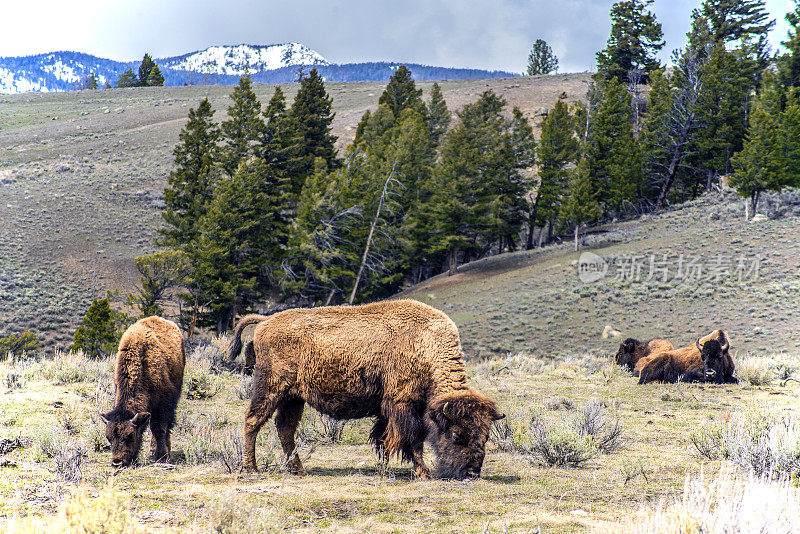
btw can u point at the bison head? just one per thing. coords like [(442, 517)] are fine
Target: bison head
[(713, 355), (459, 425), (626, 352), (124, 432)]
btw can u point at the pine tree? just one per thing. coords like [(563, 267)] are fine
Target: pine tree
[(23, 344), (613, 158), (145, 68), (159, 272), (763, 165), (128, 79), (636, 38), (541, 60), (241, 243), (401, 93), (580, 203), (99, 330), (789, 63), (155, 78), (244, 126), (557, 150), (280, 144), (312, 117), (191, 185), (438, 115)]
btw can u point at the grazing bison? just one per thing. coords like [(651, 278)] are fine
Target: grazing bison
[(148, 378), (632, 350), (694, 363), (397, 361)]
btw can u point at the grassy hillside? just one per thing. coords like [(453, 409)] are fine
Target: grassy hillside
[(82, 175), (535, 301)]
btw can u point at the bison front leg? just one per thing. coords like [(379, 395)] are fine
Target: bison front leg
[(286, 421), (421, 470), (159, 445), (405, 434)]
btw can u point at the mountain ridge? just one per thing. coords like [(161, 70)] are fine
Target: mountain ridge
[(214, 65)]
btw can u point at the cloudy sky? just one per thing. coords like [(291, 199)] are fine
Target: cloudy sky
[(491, 34)]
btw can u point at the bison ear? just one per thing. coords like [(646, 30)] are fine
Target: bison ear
[(141, 419)]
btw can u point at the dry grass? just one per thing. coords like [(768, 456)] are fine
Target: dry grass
[(346, 489), (722, 504)]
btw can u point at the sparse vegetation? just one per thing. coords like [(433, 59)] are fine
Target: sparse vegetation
[(767, 445)]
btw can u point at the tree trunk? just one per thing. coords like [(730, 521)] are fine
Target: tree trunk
[(531, 224), (452, 266), (754, 201), (577, 233), (330, 297), (542, 234)]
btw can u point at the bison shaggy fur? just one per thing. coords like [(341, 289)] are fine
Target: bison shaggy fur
[(148, 378), (632, 350), (397, 361), (699, 362)]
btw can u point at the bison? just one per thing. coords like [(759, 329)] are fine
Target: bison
[(397, 361), (632, 350), (148, 378), (700, 362)]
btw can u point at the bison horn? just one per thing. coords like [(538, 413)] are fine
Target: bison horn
[(446, 410), (497, 416), (697, 343), (726, 345)]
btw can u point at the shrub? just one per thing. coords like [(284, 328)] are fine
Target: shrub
[(756, 371), (767, 445), (592, 423), (17, 345), (230, 516), (244, 390), (48, 445), (722, 505), (567, 440), (13, 381), (69, 463), (319, 428), (202, 385), (230, 450), (559, 403)]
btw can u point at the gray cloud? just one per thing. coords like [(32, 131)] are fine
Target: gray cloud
[(493, 34)]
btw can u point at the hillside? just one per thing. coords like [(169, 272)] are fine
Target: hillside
[(82, 175)]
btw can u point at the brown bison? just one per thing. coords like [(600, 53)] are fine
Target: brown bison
[(632, 350), (700, 362), (397, 361), (148, 378)]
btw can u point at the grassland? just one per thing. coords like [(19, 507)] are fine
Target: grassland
[(58, 401)]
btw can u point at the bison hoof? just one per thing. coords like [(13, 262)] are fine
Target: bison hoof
[(247, 468), (422, 474)]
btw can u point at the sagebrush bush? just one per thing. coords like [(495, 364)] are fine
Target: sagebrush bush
[(564, 439), (319, 428), (229, 515), (756, 371), (767, 445), (69, 463), (202, 385), (722, 505), (73, 367), (47, 445)]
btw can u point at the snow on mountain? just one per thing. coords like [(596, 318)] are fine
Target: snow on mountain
[(236, 60), (17, 82)]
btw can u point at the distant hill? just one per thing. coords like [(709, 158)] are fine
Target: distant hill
[(216, 65)]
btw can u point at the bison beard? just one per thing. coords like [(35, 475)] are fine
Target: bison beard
[(148, 377), (397, 361)]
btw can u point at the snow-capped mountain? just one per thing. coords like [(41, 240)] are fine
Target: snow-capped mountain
[(236, 60), (223, 65)]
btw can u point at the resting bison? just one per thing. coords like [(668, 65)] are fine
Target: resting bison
[(148, 378), (632, 350), (700, 362), (397, 361)]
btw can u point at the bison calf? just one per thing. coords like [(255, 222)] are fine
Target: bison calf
[(702, 362), (397, 361), (148, 378), (632, 350)]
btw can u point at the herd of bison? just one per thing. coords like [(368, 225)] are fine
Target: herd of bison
[(397, 361)]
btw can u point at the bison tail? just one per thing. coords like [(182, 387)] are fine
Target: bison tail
[(235, 345)]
